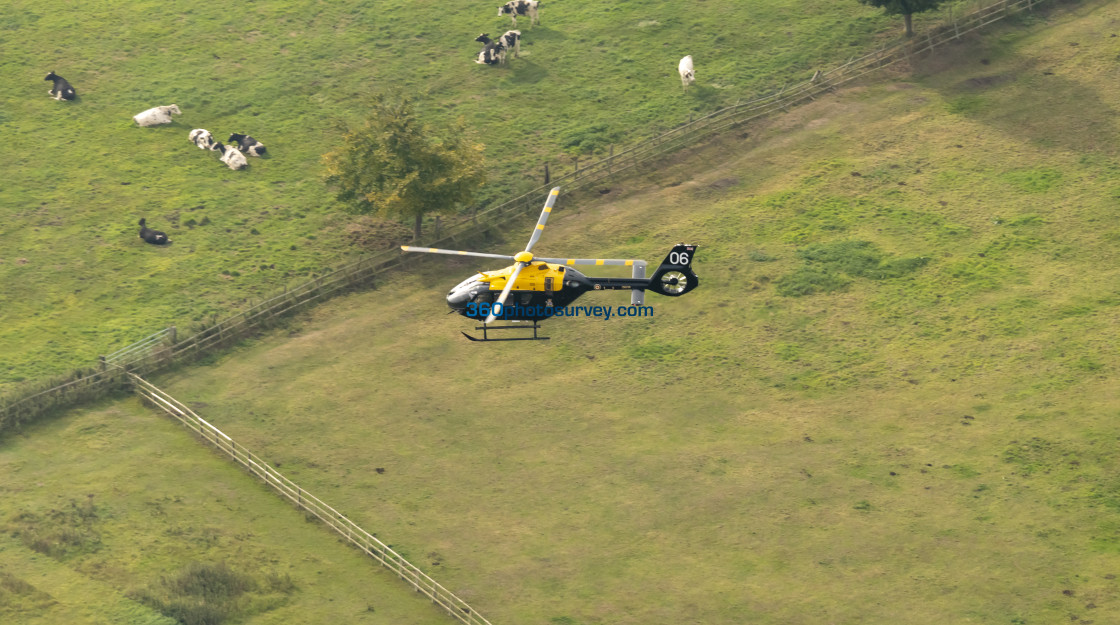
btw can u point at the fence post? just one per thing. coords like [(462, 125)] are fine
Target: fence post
[(102, 361), (547, 178), (610, 161)]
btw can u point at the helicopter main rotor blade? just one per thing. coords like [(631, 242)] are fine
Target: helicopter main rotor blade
[(544, 217), (501, 301), (433, 250), (607, 262)]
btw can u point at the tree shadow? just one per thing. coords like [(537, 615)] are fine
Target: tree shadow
[(1024, 98)]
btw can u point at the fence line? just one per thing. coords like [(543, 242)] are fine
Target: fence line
[(310, 503), (163, 349)]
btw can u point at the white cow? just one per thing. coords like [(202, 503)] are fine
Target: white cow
[(203, 139), (232, 157), (158, 115), (688, 74)]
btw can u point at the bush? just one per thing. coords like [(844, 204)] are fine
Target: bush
[(213, 594)]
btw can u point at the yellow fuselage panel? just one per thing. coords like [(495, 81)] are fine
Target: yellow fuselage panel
[(535, 277)]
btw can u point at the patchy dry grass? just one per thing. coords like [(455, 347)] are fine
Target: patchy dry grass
[(78, 282), (934, 447), (941, 438)]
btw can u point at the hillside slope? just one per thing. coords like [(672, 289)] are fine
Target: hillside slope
[(79, 175), (937, 432), (889, 401)]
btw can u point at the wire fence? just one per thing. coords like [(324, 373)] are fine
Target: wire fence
[(309, 503), (163, 349)]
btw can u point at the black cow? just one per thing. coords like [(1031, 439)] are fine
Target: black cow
[(61, 89), (155, 237)]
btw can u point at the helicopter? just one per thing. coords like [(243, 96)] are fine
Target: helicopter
[(536, 288)]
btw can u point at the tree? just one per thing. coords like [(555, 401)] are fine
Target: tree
[(905, 8), (396, 166)]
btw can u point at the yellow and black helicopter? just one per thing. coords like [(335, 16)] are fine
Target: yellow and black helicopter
[(534, 288)]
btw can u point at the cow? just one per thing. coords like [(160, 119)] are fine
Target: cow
[(513, 8), (158, 115), (203, 139), (61, 89), (495, 51), (232, 157), (688, 74), (155, 237), (491, 54), (247, 144)]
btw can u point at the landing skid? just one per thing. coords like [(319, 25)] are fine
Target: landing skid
[(485, 329)]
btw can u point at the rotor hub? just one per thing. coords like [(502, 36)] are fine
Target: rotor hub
[(523, 257)]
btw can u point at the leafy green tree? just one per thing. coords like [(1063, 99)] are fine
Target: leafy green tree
[(905, 8), (395, 165)]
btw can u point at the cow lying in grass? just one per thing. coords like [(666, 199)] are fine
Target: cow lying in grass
[(158, 115), (231, 156), (61, 89), (247, 144), (203, 139), (495, 51), (155, 237)]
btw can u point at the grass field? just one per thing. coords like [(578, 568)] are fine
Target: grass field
[(78, 176), (91, 523), (889, 401), (927, 436)]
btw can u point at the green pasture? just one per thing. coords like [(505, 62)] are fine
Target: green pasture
[(891, 399), (923, 431), (77, 281), (113, 509)]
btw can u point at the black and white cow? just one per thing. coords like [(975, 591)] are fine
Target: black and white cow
[(155, 237), (495, 51), (513, 8), (232, 157), (203, 139), (61, 89), (491, 54), (247, 144)]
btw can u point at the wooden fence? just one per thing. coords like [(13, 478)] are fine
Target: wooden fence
[(168, 350), (309, 503)]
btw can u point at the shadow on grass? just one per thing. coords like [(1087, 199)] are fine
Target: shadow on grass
[(1025, 98), (526, 72)]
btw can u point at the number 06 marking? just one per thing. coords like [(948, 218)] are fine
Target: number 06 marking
[(678, 258)]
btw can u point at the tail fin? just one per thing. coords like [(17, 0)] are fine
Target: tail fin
[(674, 275)]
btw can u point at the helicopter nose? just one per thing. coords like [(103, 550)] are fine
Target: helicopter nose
[(461, 295)]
